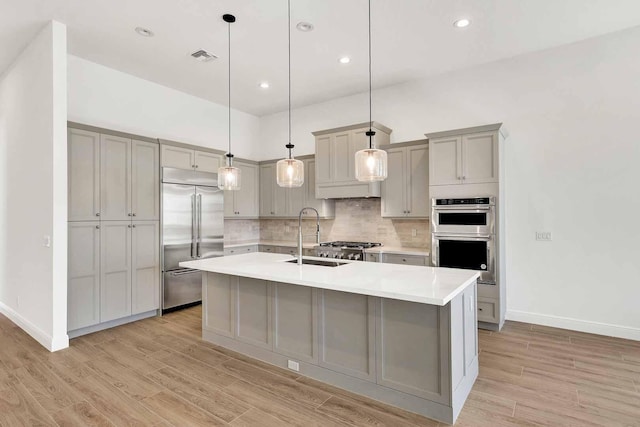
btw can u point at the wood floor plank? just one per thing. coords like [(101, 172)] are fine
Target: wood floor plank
[(205, 396), (81, 414), (198, 370), (129, 356), (180, 412), (296, 392), (19, 408), (279, 407), (256, 417), (204, 354), (130, 382), (358, 415), (51, 392)]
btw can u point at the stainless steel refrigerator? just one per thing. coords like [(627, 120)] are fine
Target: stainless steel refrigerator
[(192, 228)]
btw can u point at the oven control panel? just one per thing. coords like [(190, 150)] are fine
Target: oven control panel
[(467, 201)]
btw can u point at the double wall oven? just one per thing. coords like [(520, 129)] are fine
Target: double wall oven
[(463, 235)]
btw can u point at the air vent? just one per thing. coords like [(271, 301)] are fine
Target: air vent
[(203, 55)]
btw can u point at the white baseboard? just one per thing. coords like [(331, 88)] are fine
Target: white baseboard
[(588, 326), (47, 341)]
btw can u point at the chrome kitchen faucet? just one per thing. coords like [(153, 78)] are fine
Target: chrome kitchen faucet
[(300, 235)]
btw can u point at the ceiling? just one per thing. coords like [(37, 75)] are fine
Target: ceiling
[(411, 39)]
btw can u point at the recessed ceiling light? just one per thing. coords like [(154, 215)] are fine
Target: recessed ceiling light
[(264, 85), (144, 32), (203, 56), (461, 23), (345, 60), (304, 26)]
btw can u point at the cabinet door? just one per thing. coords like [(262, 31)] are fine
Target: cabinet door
[(84, 175), (404, 259), (480, 158), (246, 202), (294, 200), (145, 265), (347, 333), (253, 312), (267, 184), (325, 207), (417, 181), (83, 292), (208, 162), (178, 157), (115, 270), (115, 178), (294, 321), (230, 204), (323, 158), (445, 161), (145, 180), (343, 162), (394, 187)]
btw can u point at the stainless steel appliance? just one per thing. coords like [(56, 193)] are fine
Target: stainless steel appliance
[(344, 250), (192, 228), (463, 235)]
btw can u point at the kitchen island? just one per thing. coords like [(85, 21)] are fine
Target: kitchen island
[(403, 335)]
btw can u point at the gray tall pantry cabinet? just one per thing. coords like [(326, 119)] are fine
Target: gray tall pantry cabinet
[(114, 228)]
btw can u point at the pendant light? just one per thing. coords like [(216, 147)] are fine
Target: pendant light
[(371, 163), (290, 171), (229, 176)]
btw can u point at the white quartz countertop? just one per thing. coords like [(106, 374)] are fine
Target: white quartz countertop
[(427, 285)]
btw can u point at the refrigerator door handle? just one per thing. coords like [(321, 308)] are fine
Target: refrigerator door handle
[(193, 225), (199, 235)]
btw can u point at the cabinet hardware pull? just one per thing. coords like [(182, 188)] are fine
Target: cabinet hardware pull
[(97, 227), (128, 214), (129, 226), (479, 309), (133, 214), (196, 166), (98, 214), (133, 226), (464, 177)]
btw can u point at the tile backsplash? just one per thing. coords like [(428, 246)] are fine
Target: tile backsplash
[(241, 229), (356, 220)]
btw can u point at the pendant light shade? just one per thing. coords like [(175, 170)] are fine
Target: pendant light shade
[(371, 163), (290, 171), (229, 176)]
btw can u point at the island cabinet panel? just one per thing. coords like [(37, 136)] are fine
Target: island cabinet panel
[(295, 321), (219, 291), (412, 353), (84, 275), (253, 312), (347, 333), (115, 265), (464, 338)]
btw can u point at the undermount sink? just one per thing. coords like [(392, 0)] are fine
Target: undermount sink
[(319, 262)]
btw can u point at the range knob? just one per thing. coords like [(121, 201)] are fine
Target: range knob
[(340, 256), (350, 256), (356, 257)]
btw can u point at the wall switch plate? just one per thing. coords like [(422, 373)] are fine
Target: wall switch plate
[(543, 235), (294, 366), (414, 232)]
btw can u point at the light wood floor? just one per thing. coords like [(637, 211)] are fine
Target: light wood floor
[(158, 372)]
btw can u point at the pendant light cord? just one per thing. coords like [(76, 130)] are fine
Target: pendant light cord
[(289, 146), (370, 115), (229, 56)]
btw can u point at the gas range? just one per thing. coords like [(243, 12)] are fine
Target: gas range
[(344, 250)]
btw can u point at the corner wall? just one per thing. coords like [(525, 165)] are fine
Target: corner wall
[(572, 159), (33, 189)]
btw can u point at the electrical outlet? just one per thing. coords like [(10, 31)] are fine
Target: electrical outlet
[(294, 366), (414, 232), (543, 235)]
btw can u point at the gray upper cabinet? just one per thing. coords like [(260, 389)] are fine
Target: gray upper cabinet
[(279, 202), (464, 159), (145, 180), (145, 266), (244, 203), (84, 175), (83, 304), (405, 192), (335, 161), (115, 270), (188, 158), (115, 178)]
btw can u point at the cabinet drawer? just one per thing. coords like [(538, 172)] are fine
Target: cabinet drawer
[(240, 250), (372, 257), (287, 250), (487, 310), (404, 259), (268, 248)]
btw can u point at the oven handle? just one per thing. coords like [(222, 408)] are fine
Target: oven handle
[(467, 208), (473, 237)]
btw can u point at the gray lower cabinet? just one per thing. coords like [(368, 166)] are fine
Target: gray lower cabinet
[(237, 250), (268, 248), (145, 266), (421, 357), (294, 320), (115, 270), (347, 333), (84, 275), (405, 259)]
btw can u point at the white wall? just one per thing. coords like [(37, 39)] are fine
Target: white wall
[(108, 98), (33, 189), (571, 166)]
